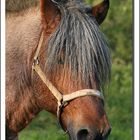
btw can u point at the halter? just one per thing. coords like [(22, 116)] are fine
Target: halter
[(62, 100)]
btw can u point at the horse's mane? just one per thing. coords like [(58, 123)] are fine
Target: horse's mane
[(79, 44)]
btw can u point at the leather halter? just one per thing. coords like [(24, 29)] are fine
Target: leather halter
[(62, 100)]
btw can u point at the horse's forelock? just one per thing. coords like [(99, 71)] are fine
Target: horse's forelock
[(82, 45)]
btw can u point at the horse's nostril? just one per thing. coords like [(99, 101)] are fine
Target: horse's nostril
[(82, 134)]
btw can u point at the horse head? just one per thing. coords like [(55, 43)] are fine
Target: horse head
[(77, 60)]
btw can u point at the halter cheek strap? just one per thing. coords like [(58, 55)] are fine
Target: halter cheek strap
[(62, 100)]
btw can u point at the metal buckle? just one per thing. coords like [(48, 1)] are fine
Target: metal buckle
[(36, 61)]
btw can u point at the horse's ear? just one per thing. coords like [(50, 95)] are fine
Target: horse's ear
[(49, 11), (100, 11)]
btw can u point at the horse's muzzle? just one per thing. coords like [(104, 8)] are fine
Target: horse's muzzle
[(89, 134)]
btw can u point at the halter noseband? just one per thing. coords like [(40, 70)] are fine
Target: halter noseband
[(62, 100)]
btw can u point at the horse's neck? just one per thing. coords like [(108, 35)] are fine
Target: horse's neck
[(22, 37), (20, 109)]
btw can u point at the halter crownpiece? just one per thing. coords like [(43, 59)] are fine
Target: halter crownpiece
[(62, 100)]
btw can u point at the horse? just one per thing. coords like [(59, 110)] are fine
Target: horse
[(58, 60)]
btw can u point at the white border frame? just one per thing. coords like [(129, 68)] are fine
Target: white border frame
[(2, 69), (136, 69)]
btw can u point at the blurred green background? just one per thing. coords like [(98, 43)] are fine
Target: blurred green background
[(119, 97)]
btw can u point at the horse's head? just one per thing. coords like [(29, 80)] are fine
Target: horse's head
[(78, 59)]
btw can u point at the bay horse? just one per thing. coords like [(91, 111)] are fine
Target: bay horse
[(58, 60)]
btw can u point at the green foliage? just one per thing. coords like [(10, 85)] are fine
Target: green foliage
[(118, 28), (119, 102), (119, 98)]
